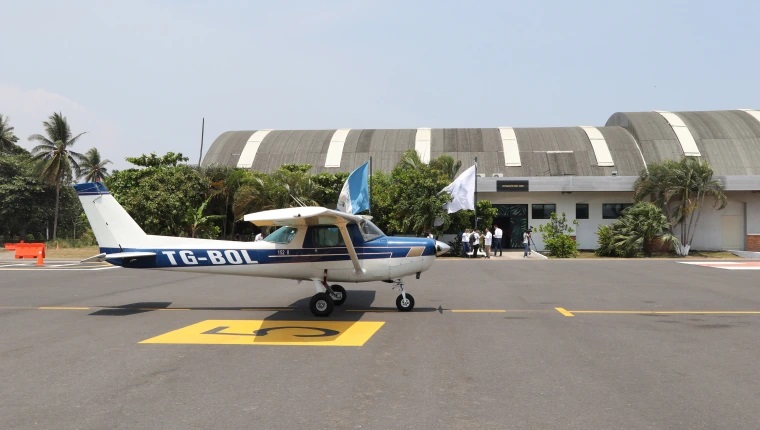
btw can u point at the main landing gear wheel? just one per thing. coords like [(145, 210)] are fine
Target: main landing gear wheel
[(339, 296), (405, 305), (321, 304)]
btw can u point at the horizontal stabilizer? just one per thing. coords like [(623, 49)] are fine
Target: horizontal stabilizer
[(117, 255)]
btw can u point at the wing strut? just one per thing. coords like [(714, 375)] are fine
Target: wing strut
[(358, 270)]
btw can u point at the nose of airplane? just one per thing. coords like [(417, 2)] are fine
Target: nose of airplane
[(441, 248)]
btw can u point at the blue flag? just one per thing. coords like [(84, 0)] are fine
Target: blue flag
[(354, 197)]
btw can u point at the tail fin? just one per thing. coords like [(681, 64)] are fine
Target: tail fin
[(112, 225)]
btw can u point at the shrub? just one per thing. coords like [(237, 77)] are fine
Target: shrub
[(556, 238), (634, 232)]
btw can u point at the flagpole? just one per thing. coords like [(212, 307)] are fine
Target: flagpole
[(475, 196), (370, 186)]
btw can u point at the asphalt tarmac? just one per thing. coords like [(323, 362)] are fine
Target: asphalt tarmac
[(524, 344)]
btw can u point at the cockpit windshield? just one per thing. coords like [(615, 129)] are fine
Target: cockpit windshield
[(369, 230), (282, 235)]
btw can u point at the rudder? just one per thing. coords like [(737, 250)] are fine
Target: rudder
[(111, 224)]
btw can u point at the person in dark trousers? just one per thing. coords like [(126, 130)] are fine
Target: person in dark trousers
[(466, 243), (497, 234)]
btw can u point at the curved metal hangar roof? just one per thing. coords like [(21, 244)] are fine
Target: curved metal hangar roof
[(729, 140)]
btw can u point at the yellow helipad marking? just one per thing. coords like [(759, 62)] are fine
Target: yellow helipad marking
[(478, 310), (260, 332), (62, 308), (564, 312)]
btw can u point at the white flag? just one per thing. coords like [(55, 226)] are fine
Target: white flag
[(462, 191)]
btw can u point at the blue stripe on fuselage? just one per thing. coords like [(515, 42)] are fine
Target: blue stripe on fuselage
[(393, 248)]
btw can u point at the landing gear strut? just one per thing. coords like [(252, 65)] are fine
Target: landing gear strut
[(338, 294), (404, 301), (327, 297)]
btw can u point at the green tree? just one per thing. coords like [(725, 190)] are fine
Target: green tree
[(409, 200), (223, 183), (93, 169), (680, 189), (446, 165), (161, 198), (171, 159), (556, 236), (289, 186), (7, 137), (55, 157), (199, 223)]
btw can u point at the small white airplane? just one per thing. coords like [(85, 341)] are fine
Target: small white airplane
[(311, 243)]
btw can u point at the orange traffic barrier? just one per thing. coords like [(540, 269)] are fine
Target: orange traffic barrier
[(12, 246), (30, 250)]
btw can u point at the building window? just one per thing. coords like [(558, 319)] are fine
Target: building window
[(543, 211), (581, 211), (614, 210)]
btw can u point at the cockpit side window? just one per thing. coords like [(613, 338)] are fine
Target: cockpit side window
[(282, 235), (369, 230), (326, 236)]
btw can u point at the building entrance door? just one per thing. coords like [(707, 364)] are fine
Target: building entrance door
[(513, 220)]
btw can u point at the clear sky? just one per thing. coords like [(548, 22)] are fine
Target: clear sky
[(139, 75)]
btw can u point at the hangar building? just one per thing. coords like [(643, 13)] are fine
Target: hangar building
[(586, 172)]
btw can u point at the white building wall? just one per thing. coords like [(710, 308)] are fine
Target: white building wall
[(585, 232), (708, 235), (752, 203)]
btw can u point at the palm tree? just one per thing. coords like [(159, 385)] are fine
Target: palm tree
[(7, 138), (55, 158), (680, 188), (446, 164), (92, 169), (695, 184)]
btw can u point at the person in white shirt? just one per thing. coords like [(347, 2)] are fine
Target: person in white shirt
[(526, 242), (475, 242), (497, 234), (258, 237), (466, 243), (487, 242)]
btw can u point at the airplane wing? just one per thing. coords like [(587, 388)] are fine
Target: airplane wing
[(300, 216), (310, 215)]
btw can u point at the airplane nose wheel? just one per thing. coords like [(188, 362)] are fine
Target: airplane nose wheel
[(321, 304), (405, 304)]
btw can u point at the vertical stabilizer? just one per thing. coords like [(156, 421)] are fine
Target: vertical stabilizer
[(112, 225)]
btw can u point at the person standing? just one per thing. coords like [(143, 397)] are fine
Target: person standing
[(526, 242), (487, 242), (497, 234), (466, 243), (475, 242)]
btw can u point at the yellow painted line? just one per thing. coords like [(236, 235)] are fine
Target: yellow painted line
[(263, 332), (672, 312), (371, 310), (478, 310), (267, 309), (62, 308), (564, 312)]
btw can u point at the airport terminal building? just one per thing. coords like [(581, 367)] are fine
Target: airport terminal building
[(587, 172)]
